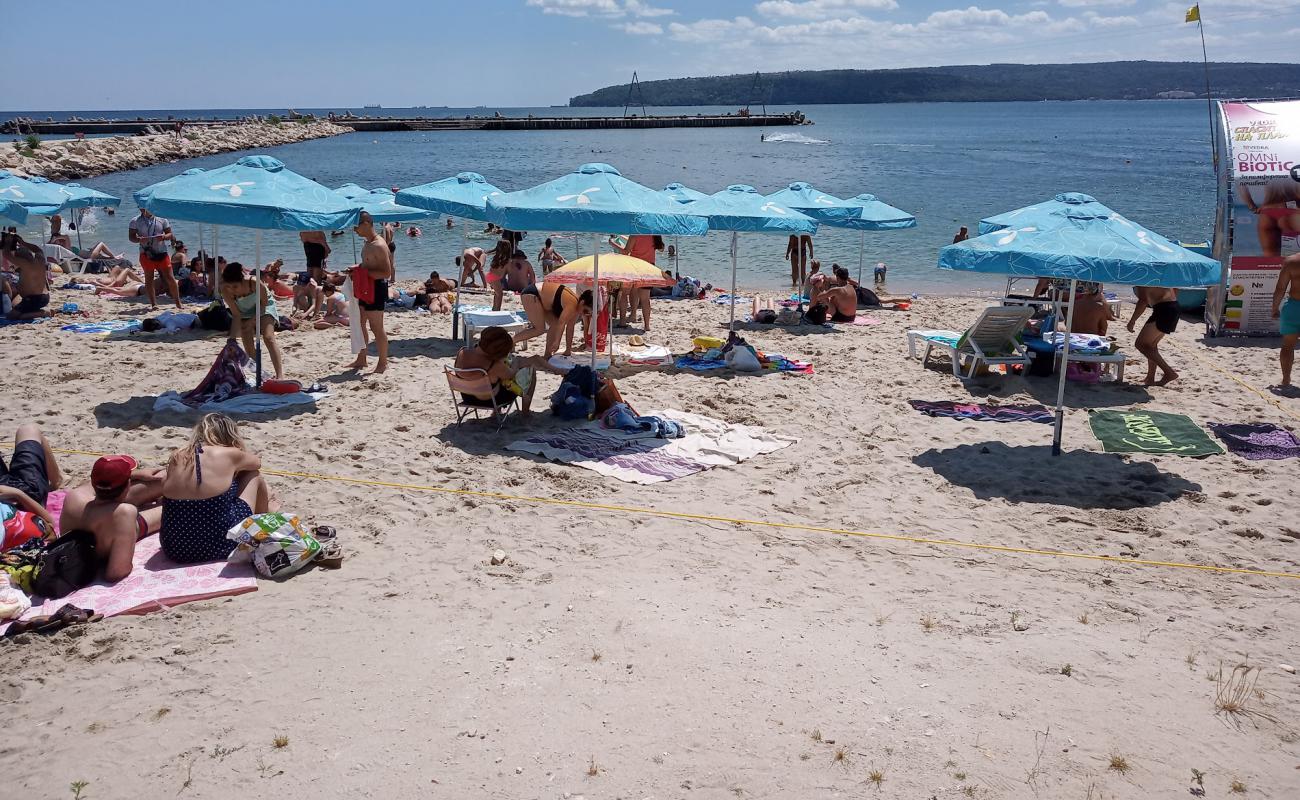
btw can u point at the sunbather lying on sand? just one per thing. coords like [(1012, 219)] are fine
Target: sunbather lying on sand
[(119, 506)]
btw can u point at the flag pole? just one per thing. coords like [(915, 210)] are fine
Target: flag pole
[(1209, 98)]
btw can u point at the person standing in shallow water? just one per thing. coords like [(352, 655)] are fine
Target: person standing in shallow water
[(376, 267)]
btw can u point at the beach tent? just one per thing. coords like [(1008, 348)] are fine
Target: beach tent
[(12, 213), (681, 194), (1092, 244), (864, 212), (256, 192), (595, 199), (741, 208)]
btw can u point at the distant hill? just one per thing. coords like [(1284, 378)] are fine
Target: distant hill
[(1114, 80)]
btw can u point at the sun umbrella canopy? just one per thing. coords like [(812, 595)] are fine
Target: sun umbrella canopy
[(595, 198), (614, 267), (79, 196), (741, 208), (141, 195), (381, 204), (802, 197), (38, 195), (462, 195), (868, 213), (1044, 214), (1086, 246), (682, 194), (12, 212), (254, 192)]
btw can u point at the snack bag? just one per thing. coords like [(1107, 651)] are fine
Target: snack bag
[(275, 543)]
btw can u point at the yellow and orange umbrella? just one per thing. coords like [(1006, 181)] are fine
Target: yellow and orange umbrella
[(614, 268)]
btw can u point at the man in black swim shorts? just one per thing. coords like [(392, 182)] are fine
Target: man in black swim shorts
[(30, 261), (31, 471), (317, 249), (1163, 303)]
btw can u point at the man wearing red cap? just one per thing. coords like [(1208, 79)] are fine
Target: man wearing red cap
[(108, 508)]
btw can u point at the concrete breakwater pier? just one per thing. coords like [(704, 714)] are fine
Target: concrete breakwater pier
[(129, 127)]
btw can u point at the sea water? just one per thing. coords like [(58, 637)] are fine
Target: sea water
[(948, 163)]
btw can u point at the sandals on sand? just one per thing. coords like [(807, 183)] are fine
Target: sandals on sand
[(65, 617), (331, 554)]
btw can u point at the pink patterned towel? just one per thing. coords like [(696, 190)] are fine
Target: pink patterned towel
[(155, 584)]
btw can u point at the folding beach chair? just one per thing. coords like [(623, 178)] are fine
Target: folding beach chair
[(475, 382), (71, 263), (994, 339)]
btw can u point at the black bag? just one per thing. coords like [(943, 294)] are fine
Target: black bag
[(867, 298), (69, 564), (817, 314), (215, 317)]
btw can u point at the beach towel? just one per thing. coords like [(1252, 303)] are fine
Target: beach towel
[(225, 378), (645, 459), (651, 354), (105, 327), (1086, 344), (1151, 432), (861, 320), (252, 402), (983, 413), (355, 337), (773, 362), (1257, 441), (156, 583), (950, 338), (6, 321)]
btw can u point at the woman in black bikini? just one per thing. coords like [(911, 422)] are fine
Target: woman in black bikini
[(553, 308), (212, 484)]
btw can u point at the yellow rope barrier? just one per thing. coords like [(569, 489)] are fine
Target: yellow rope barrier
[(1239, 381), (621, 509)]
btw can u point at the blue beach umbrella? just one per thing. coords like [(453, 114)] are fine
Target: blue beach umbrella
[(463, 195), (11, 212), (1082, 244), (382, 204), (802, 197), (256, 192), (1044, 214), (595, 199), (39, 196), (682, 194), (741, 208)]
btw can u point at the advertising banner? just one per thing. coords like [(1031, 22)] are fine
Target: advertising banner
[(1263, 199)]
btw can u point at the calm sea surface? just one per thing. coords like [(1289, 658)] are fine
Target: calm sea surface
[(949, 164)]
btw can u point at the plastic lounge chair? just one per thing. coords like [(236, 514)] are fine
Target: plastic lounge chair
[(994, 339), (475, 382), (65, 258), (474, 322)]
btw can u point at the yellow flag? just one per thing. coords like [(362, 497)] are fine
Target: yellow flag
[(1194, 14)]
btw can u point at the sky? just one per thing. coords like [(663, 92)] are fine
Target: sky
[(183, 54)]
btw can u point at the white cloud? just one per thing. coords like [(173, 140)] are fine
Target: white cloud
[(820, 9), (1099, 21), (639, 28), (639, 9), (599, 8), (1095, 3)]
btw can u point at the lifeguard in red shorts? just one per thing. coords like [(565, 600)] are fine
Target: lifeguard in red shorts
[(152, 234)]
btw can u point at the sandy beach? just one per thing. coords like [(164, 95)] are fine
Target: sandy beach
[(620, 653)]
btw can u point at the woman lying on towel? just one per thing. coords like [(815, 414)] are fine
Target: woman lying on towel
[(510, 376), (213, 483)]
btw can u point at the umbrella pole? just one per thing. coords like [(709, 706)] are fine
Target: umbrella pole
[(1065, 363), (732, 324), (677, 258), (257, 304), (202, 255), (76, 220), (862, 244), (595, 313), (216, 257)]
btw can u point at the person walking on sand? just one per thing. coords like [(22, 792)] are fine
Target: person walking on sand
[(316, 246), (375, 269), (1163, 303), (1286, 310), (152, 234)]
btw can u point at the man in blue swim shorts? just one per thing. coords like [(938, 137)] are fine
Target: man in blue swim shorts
[(1288, 315)]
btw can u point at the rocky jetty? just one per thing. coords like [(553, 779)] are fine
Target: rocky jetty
[(79, 158)]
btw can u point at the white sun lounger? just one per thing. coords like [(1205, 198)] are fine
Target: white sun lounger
[(992, 340), (71, 263)]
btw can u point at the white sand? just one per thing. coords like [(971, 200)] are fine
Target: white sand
[(680, 658)]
